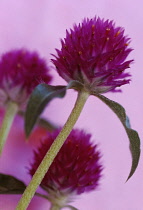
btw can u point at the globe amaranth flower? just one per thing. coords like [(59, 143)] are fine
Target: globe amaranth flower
[(20, 72), (94, 53), (75, 170)]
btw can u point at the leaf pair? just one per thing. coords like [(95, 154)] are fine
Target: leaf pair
[(44, 93)]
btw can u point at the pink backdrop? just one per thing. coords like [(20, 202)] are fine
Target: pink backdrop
[(38, 25)]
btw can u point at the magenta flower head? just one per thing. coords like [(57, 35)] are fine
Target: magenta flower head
[(75, 170), (20, 72), (94, 53)]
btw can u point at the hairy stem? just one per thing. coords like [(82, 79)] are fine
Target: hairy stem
[(55, 207), (11, 111), (53, 151)]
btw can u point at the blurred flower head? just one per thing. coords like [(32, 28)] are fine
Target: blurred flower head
[(75, 170), (94, 53), (20, 72)]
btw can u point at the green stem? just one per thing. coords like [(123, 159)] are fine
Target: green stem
[(52, 152), (11, 111), (56, 207)]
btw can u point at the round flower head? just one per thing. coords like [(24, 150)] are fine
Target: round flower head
[(75, 170), (94, 54), (20, 72)]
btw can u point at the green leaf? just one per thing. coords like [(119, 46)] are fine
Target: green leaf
[(39, 98), (132, 134), (11, 185), (48, 125)]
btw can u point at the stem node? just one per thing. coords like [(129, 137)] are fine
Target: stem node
[(53, 151)]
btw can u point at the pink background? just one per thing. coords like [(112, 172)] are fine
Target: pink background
[(38, 25)]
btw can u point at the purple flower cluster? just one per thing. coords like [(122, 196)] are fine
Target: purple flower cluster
[(94, 53), (75, 170), (20, 72)]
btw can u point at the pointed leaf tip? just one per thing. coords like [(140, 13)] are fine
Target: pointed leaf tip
[(39, 98), (132, 134)]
